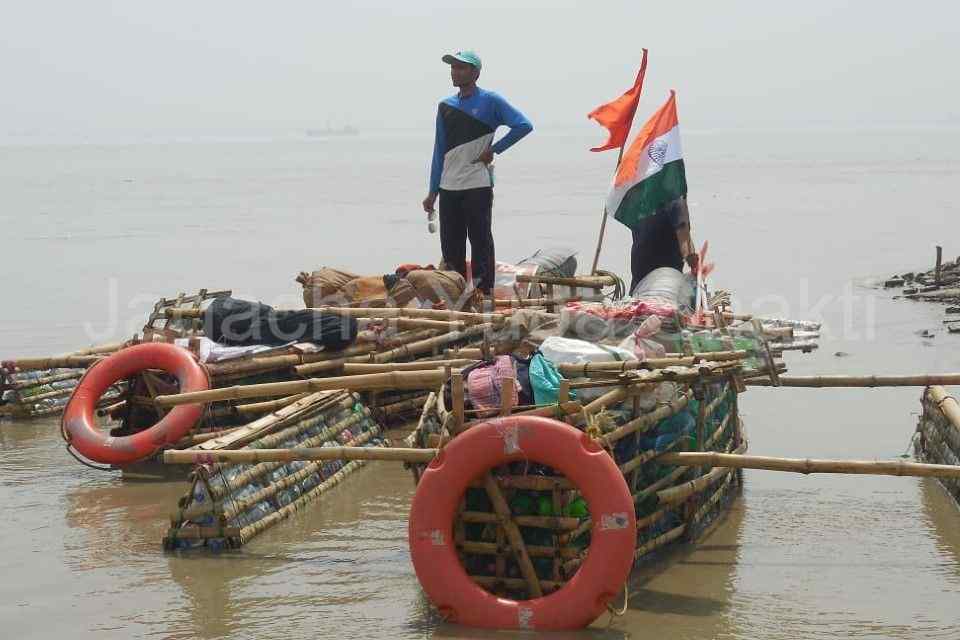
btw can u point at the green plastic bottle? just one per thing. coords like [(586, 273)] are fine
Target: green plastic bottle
[(576, 509)]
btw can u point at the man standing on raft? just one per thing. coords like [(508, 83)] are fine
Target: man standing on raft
[(462, 172)]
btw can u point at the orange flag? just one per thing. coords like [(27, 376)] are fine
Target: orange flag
[(617, 116)]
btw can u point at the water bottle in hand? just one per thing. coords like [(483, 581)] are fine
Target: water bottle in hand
[(431, 222)]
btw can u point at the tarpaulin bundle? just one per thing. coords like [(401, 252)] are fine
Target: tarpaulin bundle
[(240, 322)]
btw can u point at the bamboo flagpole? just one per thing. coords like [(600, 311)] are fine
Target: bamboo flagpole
[(624, 109)]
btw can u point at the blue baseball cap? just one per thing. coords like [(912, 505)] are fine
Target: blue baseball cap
[(470, 57)]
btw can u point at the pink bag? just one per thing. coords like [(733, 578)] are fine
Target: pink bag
[(484, 384)]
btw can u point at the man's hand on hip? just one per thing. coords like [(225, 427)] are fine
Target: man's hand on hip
[(486, 157), (429, 201)]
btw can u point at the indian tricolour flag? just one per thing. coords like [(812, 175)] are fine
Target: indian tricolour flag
[(651, 173)]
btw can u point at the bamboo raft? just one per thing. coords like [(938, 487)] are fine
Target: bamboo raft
[(525, 531), (228, 504)]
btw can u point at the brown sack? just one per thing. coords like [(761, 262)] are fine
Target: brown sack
[(438, 286), (323, 286), (372, 291)]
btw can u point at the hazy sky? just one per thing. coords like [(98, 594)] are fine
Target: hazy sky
[(99, 66)]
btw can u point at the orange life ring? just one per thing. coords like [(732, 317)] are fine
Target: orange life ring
[(571, 452), (80, 426)]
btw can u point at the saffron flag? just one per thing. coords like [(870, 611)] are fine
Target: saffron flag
[(651, 173), (617, 116)]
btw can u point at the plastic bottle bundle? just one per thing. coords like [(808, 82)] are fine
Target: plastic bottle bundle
[(200, 493), (182, 543), (310, 482), (229, 473), (63, 384), (27, 376), (259, 511), (668, 430), (330, 467), (316, 426), (279, 473), (707, 341), (753, 348), (296, 465), (245, 518), (288, 495), (48, 403)]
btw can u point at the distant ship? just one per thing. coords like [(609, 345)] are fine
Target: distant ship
[(345, 130)]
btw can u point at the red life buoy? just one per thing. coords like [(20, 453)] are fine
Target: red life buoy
[(569, 451), (80, 426)]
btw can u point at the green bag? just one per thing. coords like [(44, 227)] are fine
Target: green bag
[(545, 380)]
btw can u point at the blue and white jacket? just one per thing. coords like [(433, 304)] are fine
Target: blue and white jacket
[(465, 128)]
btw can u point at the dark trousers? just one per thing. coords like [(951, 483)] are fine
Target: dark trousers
[(468, 214)]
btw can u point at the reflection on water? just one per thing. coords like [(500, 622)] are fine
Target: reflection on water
[(797, 557)]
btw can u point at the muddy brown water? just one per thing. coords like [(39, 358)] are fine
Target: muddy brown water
[(800, 224)]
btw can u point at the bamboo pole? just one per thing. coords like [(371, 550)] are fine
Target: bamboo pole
[(457, 395), (808, 465), (820, 382), (529, 483), (428, 314), (99, 349), (586, 369), (416, 348), (543, 522), (711, 502), (502, 509), (19, 386), (354, 368), (367, 382), (535, 551), (665, 481), (609, 398), (219, 490), (197, 438), (56, 393), (671, 374), (677, 494), (397, 408), (273, 421), (646, 421), (476, 353), (659, 541), (545, 302), (416, 323), (253, 365), (56, 362), (947, 404), (256, 456), (492, 582), (236, 507), (585, 282), (268, 406)]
